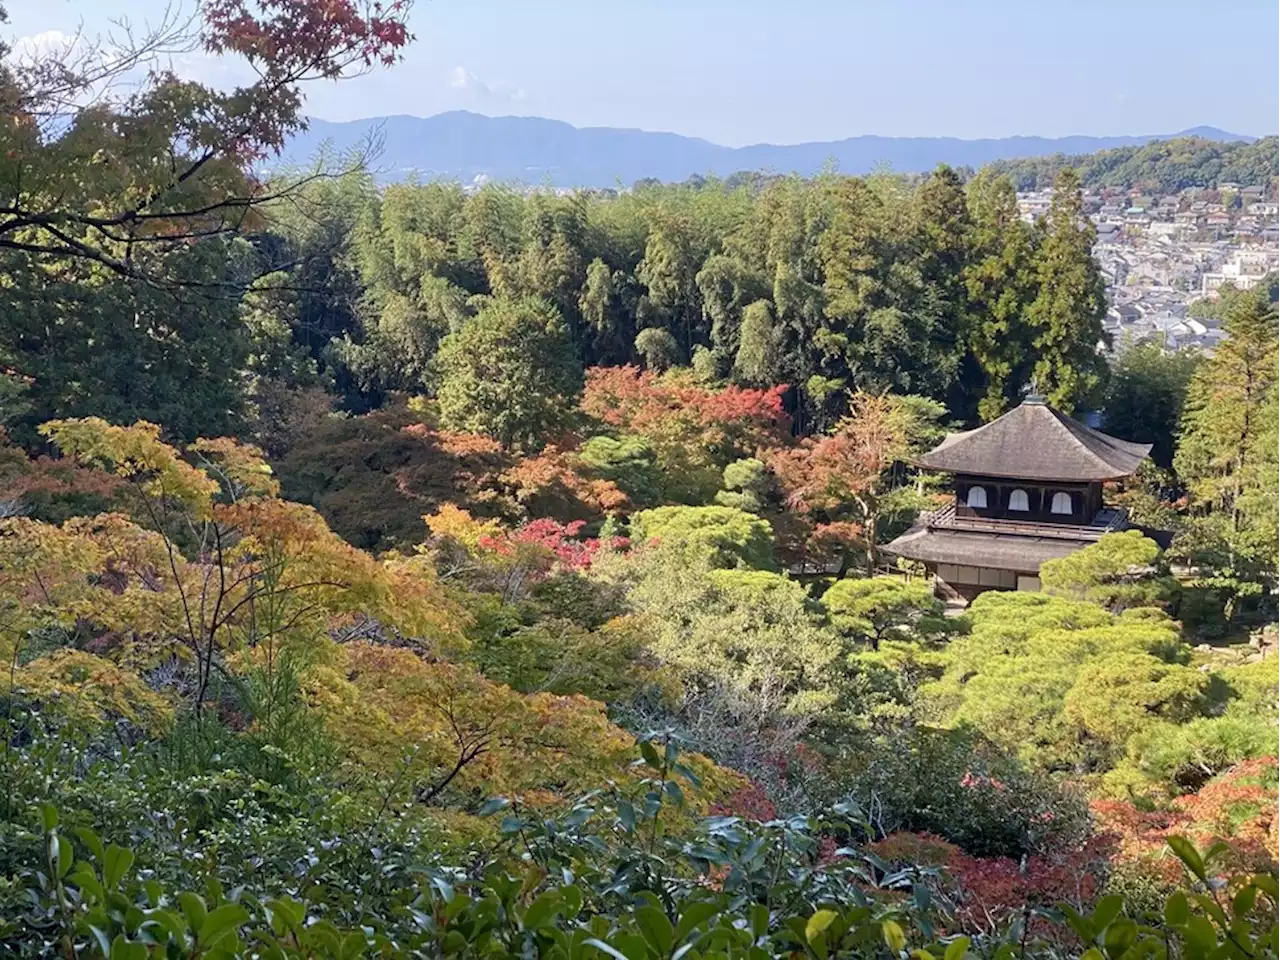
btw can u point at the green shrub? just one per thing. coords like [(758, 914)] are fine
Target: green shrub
[(725, 536)]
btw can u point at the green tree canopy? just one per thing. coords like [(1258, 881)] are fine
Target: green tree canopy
[(1119, 571), (747, 483), (629, 461), (658, 348), (1027, 656), (724, 536), (741, 633), (1227, 454), (1145, 396), (870, 611), (1070, 301), (1001, 284), (509, 373)]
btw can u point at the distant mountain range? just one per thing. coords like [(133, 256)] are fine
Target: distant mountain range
[(463, 146)]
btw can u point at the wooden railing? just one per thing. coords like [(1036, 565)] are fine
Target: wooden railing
[(1107, 520)]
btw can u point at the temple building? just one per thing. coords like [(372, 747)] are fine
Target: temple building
[(1028, 488)]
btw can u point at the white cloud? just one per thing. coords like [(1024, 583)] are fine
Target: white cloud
[(91, 54), (462, 79), (219, 72), (40, 45)]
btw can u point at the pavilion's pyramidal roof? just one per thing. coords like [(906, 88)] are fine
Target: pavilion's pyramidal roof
[(1033, 441)]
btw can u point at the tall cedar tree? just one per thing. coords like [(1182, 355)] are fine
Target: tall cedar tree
[(1227, 456), (944, 239), (1225, 406), (1071, 302), (1000, 282)]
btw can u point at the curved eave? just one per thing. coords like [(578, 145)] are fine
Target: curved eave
[(1034, 442), (1039, 478), (1021, 554)]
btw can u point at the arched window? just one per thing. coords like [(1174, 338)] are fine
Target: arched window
[(1018, 501), (1061, 503), (977, 498)]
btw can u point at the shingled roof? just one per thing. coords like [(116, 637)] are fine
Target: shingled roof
[(1033, 441)]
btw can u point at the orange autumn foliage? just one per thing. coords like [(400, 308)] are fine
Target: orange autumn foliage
[(552, 482), (211, 567), (835, 484), (695, 430), (674, 404), (52, 488), (1237, 807), (373, 477), (824, 474), (209, 564)]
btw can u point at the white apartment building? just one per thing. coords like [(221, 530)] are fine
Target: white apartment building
[(1244, 270)]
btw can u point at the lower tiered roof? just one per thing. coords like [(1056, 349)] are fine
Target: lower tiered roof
[(1018, 545)]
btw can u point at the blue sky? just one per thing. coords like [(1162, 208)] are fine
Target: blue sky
[(782, 71)]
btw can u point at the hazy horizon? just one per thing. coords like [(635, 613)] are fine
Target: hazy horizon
[(815, 70), (904, 136)]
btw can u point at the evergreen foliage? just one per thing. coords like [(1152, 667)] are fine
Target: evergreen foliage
[(508, 373)]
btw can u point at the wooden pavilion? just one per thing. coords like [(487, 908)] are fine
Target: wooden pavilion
[(1028, 488)]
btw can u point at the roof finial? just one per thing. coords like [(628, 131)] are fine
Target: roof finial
[(1033, 394)]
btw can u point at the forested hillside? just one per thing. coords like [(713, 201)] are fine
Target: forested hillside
[(826, 285), (416, 572), (1161, 167)]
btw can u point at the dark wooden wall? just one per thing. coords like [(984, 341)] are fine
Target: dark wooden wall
[(1086, 499)]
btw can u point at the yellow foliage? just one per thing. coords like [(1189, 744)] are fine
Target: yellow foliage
[(290, 548), (42, 574), (718, 783), (387, 704), (253, 571), (399, 715), (92, 691), (135, 454), (414, 601), (458, 525), (460, 834), (124, 549), (241, 466), (251, 577)]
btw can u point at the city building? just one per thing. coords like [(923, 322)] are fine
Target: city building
[(1244, 270), (1160, 252)]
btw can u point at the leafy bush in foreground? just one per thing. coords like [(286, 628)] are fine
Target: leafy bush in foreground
[(759, 893)]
